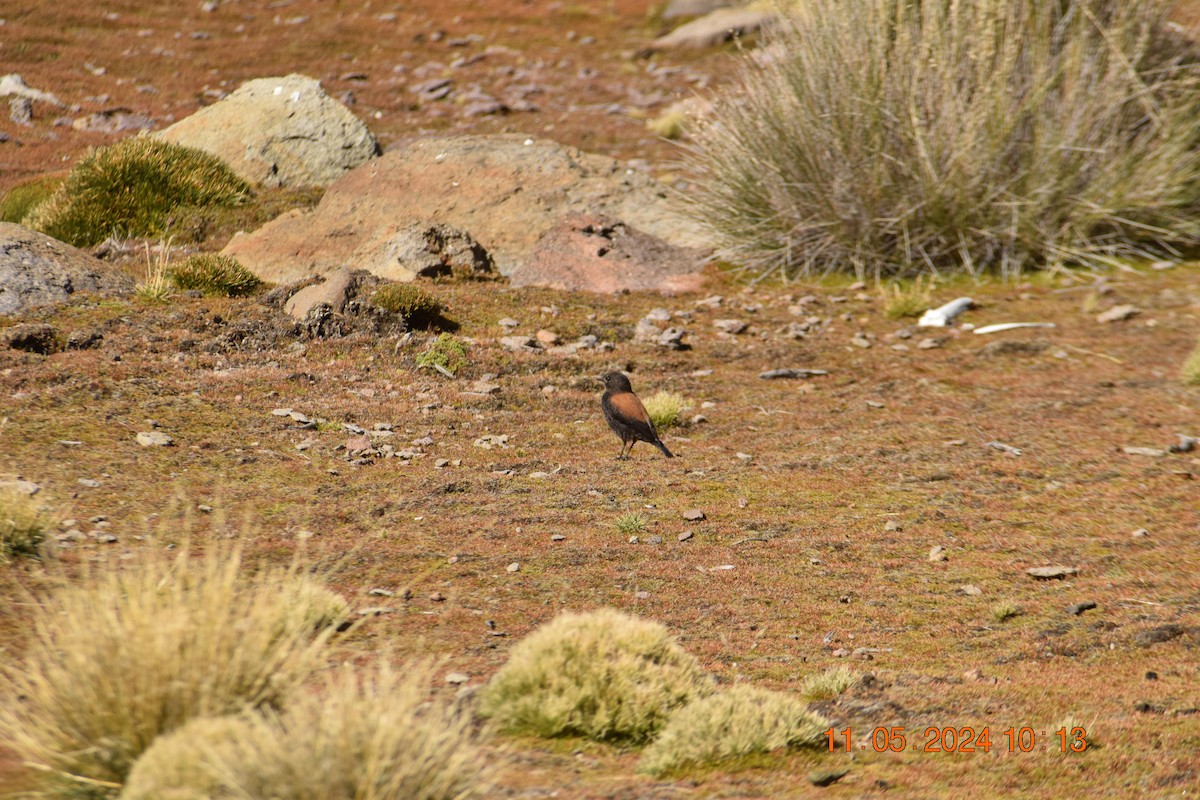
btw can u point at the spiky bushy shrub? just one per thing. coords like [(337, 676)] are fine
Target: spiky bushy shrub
[(130, 189), (1190, 371), (740, 721), (24, 197), (214, 275), (22, 524), (418, 307), (377, 736), (604, 675), (901, 137), (665, 408), (123, 655)]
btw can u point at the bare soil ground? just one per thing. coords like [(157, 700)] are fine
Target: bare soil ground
[(795, 566)]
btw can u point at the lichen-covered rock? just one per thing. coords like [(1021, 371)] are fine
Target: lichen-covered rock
[(279, 132), (36, 269)]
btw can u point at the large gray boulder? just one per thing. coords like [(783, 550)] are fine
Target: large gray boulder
[(36, 269), (279, 132), (506, 192)]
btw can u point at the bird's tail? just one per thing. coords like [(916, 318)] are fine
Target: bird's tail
[(658, 443)]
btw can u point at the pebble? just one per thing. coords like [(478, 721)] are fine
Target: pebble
[(514, 567), (892, 525), (930, 343), (508, 322), (89, 483), (1076, 609), (437, 597), (154, 439), (745, 456), (441, 463), (547, 337), (557, 537), (1149, 452), (1140, 533), (1050, 573), (457, 678), (970, 590), (937, 553), (694, 515), (683, 537), (1118, 313), (860, 340), (654, 539), (730, 326), (788, 372), (519, 344)]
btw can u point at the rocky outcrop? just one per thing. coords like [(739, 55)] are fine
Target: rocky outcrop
[(279, 132), (36, 269), (506, 192)]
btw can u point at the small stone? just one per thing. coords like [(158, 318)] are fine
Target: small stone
[(730, 326), (1075, 609), (788, 372), (519, 344), (892, 525), (745, 456), (441, 463), (1149, 452), (456, 678), (654, 539), (513, 567), (860, 340), (970, 590), (437, 597), (742, 502), (1050, 573), (1140, 533), (557, 537), (1151, 675), (683, 537), (508, 322), (693, 515), (105, 538), (633, 540), (841, 652), (937, 553), (547, 337), (204, 509), (1163, 633), (89, 483), (1118, 313), (378, 592), (154, 439), (875, 404), (828, 777), (281, 412), (930, 343), (28, 488)]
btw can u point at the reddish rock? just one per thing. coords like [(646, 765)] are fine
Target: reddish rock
[(504, 191), (591, 253)]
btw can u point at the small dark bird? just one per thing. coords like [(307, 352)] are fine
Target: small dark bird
[(627, 416)]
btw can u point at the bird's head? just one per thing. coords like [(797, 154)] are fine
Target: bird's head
[(616, 382)]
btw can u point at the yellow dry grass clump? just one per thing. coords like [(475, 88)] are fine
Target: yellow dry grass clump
[(738, 722), (604, 675), (122, 655), (666, 408), (23, 524), (828, 684), (377, 736), (1191, 368)]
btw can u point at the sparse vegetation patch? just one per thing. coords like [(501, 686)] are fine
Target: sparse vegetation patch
[(666, 409), (22, 524), (214, 275)]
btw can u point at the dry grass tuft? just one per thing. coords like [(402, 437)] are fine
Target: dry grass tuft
[(215, 275), (604, 675), (121, 656), (828, 684), (23, 525), (670, 124), (23, 198), (907, 299), (738, 722), (1190, 372), (157, 287), (666, 408), (182, 765), (377, 736), (419, 308), (879, 137), (1002, 612)]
